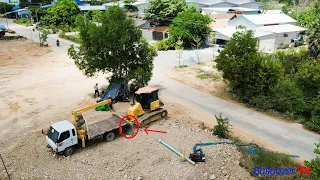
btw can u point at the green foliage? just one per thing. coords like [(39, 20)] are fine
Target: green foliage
[(129, 7), (308, 78), (222, 129), (204, 75), (313, 38), (37, 13), (4, 7), (197, 41), (249, 73), (314, 123), (74, 38), (63, 13), (315, 164), (116, 46), (165, 44), (308, 15), (163, 11), (44, 37), (288, 98), (23, 21), (188, 25), (291, 59)]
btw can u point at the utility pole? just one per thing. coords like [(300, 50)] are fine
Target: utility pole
[(5, 12)]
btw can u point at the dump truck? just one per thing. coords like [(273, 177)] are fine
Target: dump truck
[(63, 136)]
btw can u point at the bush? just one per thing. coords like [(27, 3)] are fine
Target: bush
[(23, 21), (165, 44), (4, 7), (315, 163), (288, 98), (222, 129)]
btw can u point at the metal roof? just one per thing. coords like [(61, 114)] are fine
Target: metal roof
[(282, 28), (242, 9), (87, 8), (262, 19), (273, 12), (230, 30), (62, 126)]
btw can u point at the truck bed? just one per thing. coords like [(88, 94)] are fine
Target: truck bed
[(103, 126)]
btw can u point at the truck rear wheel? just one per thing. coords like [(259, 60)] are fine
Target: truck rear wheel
[(68, 151), (110, 136)]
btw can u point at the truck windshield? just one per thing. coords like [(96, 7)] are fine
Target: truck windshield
[(53, 134)]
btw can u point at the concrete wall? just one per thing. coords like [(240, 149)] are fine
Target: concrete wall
[(280, 39), (141, 8), (147, 34), (242, 21), (267, 43)]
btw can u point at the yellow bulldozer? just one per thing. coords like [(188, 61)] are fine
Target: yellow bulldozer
[(148, 106)]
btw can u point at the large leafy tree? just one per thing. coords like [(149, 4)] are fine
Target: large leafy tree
[(37, 13), (313, 39), (128, 5), (4, 7), (250, 74), (190, 24), (162, 12), (116, 46), (63, 12)]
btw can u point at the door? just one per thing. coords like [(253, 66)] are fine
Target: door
[(64, 141)]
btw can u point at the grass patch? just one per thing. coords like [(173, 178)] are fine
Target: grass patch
[(73, 38), (23, 21), (204, 75), (268, 159)]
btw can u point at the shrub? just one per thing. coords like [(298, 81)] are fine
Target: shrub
[(288, 98), (23, 21), (222, 129), (315, 164), (165, 44)]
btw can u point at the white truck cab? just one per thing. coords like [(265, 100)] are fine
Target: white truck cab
[(62, 137)]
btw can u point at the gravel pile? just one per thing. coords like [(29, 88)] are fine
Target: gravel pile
[(141, 157)]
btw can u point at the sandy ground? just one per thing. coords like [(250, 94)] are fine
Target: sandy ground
[(39, 87)]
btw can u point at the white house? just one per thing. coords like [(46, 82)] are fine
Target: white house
[(282, 35), (254, 21), (270, 38), (140, 4), (15, 2), (273, 12)]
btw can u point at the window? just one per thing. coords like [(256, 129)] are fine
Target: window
[(285, 35), (64, 136), (73, 132)]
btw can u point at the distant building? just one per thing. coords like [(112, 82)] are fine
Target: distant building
[(254, 21), (15, 2)]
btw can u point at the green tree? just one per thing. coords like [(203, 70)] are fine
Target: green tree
[(4, 7), (37, 13), (116, 46), (188, 25), (308, 78), (129, 7), (250, 74), (313, 39), (179, 48), (315, 164), (197, 42), (44, 37), (63, 13), (162, 12), (222, 129)]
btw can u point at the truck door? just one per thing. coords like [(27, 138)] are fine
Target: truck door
[(64, 141), (74, 138)]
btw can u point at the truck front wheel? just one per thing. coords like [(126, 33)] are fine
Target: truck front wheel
[(110, 136), (68, 151)]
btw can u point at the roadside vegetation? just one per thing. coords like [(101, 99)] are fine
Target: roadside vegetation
[(23, 21), (73, 38), (264, 158)]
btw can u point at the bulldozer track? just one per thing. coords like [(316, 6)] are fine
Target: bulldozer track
[(150, 117)]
